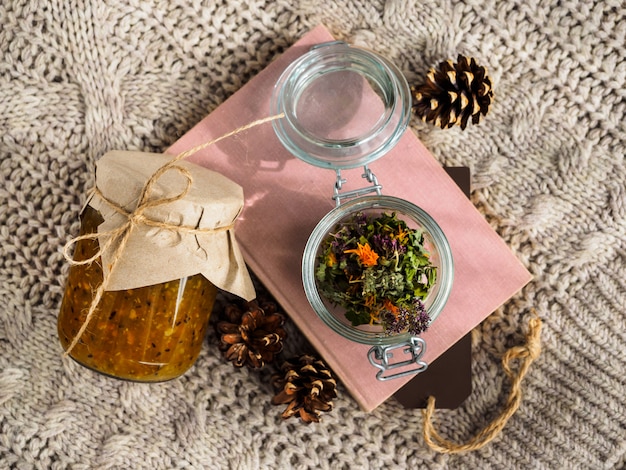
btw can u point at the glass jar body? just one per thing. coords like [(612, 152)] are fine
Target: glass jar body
[(149, 334), (436, 245)]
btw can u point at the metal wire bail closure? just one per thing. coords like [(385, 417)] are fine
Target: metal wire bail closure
[(380, 356)]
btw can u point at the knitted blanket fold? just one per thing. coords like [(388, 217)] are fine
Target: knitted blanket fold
[(83, 77)]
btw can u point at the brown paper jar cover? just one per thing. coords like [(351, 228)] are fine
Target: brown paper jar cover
[(151, 321)]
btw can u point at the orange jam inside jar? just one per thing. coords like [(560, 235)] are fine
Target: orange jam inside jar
[(148, 334)]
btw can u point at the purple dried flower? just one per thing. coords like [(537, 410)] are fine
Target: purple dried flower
[(399, 247), (361, 222), (420, 319), (379, 242), (388, 245), (361, 219), (338, 245), (393, 323), (414, 320)]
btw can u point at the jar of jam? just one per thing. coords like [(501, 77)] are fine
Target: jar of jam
[(343, 108), (143, 330), (147, 334)]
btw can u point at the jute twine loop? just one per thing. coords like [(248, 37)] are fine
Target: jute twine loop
[(121, 234), (526, 354)]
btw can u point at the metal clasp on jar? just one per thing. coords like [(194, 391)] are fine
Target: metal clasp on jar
[(380, 356), (367, 174)]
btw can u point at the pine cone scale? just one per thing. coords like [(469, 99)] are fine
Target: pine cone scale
[(236, 353), (281, 398), (320, 405), (316, 386), (291, 410), (232, 338)]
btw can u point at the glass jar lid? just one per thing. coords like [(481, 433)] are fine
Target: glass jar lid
[(435, 244), (343, 106)]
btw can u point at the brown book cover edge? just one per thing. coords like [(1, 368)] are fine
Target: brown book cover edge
[(449, 377)]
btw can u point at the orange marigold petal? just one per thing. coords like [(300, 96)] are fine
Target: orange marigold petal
[(367, 256)]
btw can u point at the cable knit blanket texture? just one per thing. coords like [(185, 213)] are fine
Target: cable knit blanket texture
[(81, 77)]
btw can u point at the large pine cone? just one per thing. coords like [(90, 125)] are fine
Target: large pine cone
[(307, 385), (453, 93), (251, 336)]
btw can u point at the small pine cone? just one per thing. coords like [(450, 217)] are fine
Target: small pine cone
[(453, 93), (307, 385), (251, 336)]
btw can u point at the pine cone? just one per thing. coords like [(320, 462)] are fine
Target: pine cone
[(307, 385), (251, 335), (453, 93)]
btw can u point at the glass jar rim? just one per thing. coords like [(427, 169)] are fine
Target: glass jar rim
[(380, 77), (329, 221)]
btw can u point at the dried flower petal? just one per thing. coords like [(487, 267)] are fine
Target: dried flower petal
[(365, 254)]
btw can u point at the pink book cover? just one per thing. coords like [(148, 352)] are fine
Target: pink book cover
[(285, 198)]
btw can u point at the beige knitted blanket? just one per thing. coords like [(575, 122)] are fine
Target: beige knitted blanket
[(81, 77)]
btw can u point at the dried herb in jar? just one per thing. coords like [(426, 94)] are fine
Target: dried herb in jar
[(378, 269)]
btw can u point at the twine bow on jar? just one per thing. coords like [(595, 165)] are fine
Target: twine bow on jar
[(115, 240)]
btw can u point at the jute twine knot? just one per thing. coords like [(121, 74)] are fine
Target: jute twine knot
[(119, 236), (526, 354)]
